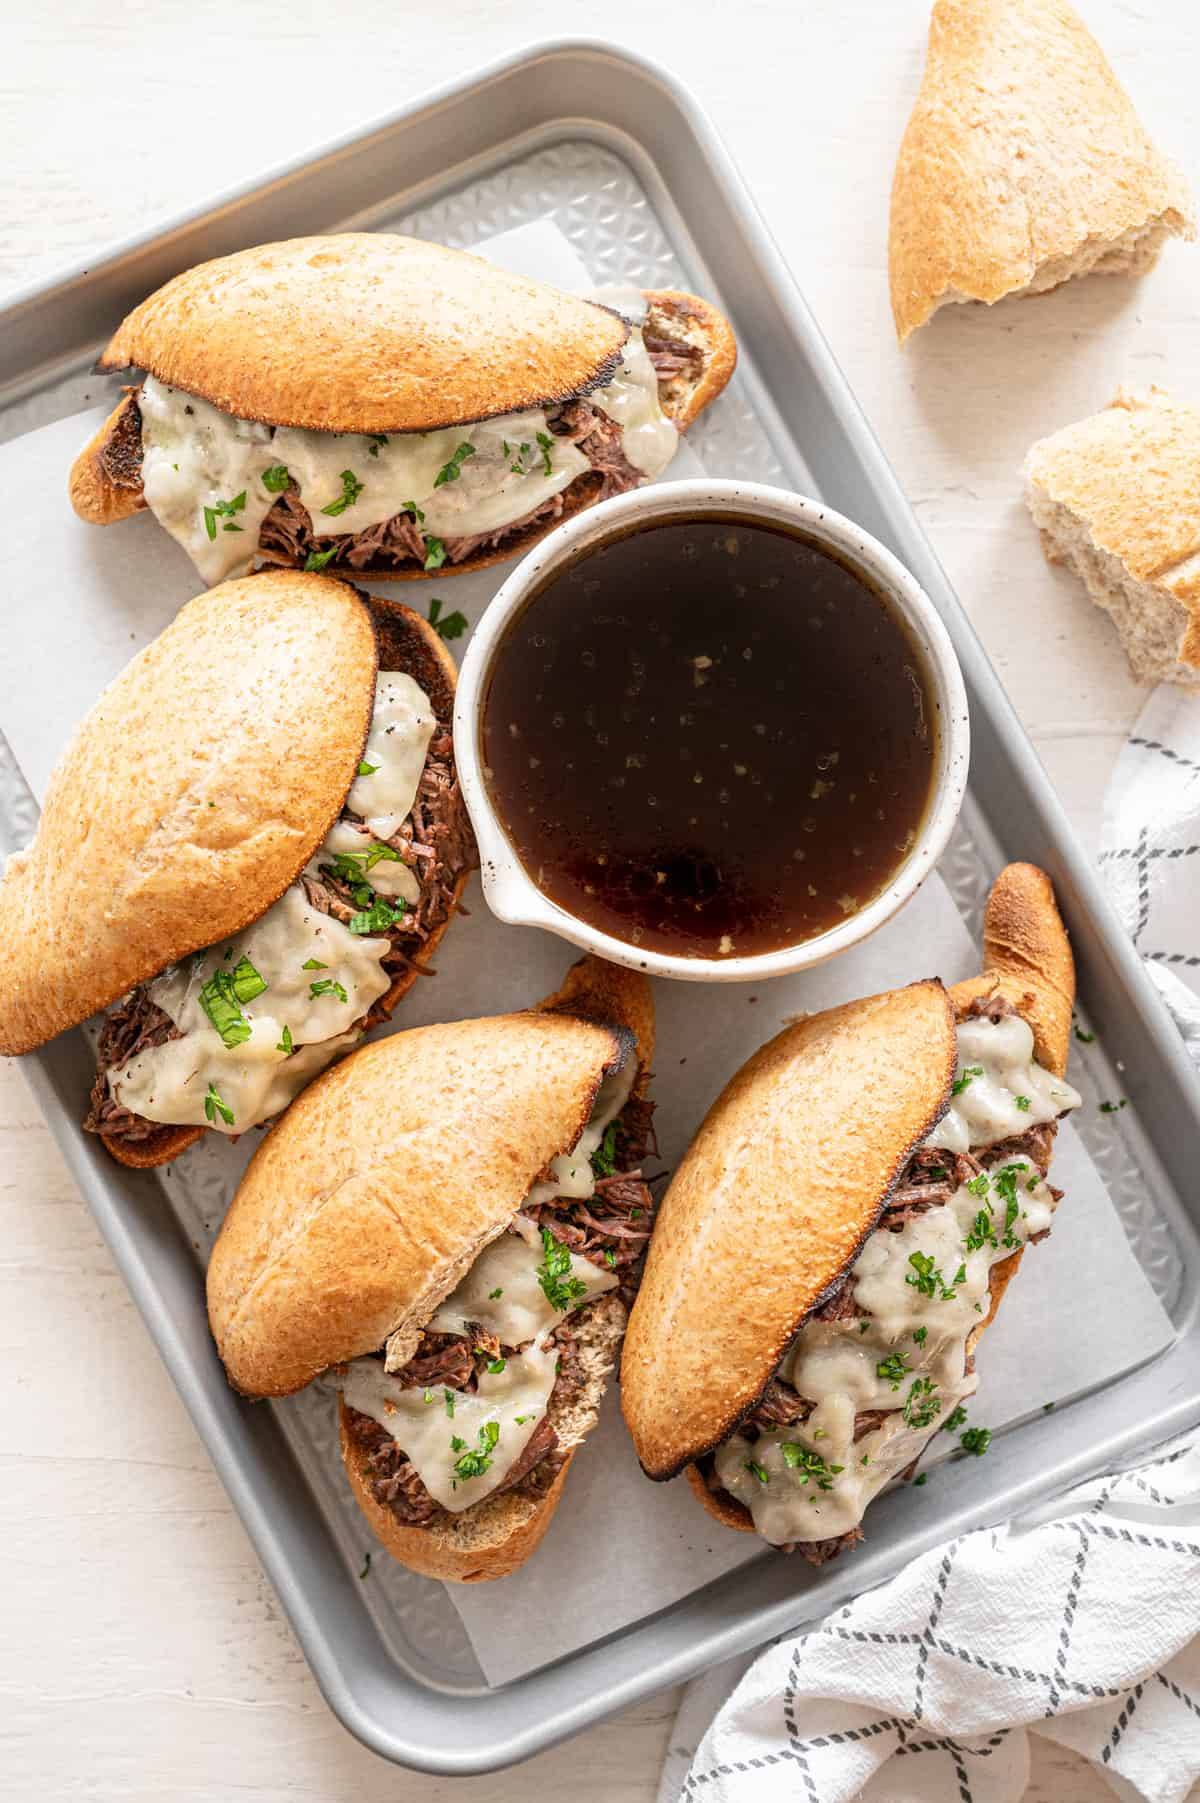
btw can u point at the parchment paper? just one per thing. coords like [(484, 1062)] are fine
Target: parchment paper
[(89, 597)]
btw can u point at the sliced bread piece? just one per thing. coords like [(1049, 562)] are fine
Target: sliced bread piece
[(1024, 163), (1116, 497)]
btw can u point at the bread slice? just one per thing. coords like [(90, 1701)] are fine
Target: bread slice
[(404, 641), (497, 1535), (1116, 498), (187, 800), (783, 1182), (1027, 958), (1023, 164), (106, 486)]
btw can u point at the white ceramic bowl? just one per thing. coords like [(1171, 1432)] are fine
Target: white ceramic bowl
[(509, 890)]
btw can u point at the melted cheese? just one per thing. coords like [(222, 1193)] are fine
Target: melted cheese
[(254, 1080), (995, 1067), (571, 1172), (501, 1292), (193, 457), (836, 1364), (494, 1422), (388, 877), (648, 438), (402, 725)]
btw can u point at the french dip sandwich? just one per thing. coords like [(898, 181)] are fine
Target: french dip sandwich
[(247, 854), (373, 403), (450, 1226), (841, 1231)]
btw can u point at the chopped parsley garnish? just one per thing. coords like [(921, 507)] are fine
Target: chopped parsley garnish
[(447, 626), (1006, 1189), (316, 560), (276, 479), (919, 1335), (928, 1280), (411, 507), (517, 466), (214, 1106), (221, 998), (893, 1369), (365, 769), (976, 1440), (474, 1464), (922, 1403), (351, 489), (604, 1158), (610, 1258), (427, 1396), (435, 552), (923, 1479), (955, 1419), (449, 1399), (313, 964), (496, 1366), (1022, 1103), (970, 1072), (450, 472), (1113, 1107), (801, 1458), (545, 446), (522, 1419), (493, 1294), (285, 1042), (327, 986), (224, 510), (366, 1565), (559, 1288), (756, 1470), (1083, 1036), (374, 440), (379, 917), (978, 1186), (983, 1231)]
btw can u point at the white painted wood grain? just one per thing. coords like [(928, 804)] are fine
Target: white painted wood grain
[(143, 1657)]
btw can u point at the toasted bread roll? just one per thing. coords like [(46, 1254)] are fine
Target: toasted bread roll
[(388, 337), (1028, 964), (1023, 164), (770, 1205), (1116, 497)]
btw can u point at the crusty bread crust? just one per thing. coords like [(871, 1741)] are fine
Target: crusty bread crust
[(367, 332), (1023, 163), (770, 1204), (1117, 495), (496, 1536), (1027, 958), (97, 499), (407, 642), (201, 800)]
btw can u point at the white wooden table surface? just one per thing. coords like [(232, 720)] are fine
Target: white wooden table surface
[(143, 1656)]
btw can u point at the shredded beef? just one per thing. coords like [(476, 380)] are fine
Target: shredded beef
[(838, 1307), (133, 1025), (120, 457), (672, 356), (778, 1406)]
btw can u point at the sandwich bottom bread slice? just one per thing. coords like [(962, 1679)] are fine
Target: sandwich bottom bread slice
[(225, 1039), (464, 1281), (887, 1216), (1116, 497)]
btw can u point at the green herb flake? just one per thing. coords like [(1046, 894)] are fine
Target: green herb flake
[(285, 1042), (351, 489), (545, 446), (756, 1470), (327, 986), (955, 1419), (223, 510), (604, 1158), (927, 1279), (812, 1467), (447, 626), (1084, 1037), (978, 1186), (313, 964), (493, 1294), (411, 507), (365, 769), (976, 1441), (922, 1403), (214, 1106), (448, 1396), (380, 917), (496, 1366), (1022, 1103), (366, 1566), (553, 1274), (1114, 1107), (435, 552), (923, 1479), (427, 1396), (276, 479), (610, 1258), (316, 560), (920, 1334), (450, 472), (970, 1072), (893, 1369), (374, 441)]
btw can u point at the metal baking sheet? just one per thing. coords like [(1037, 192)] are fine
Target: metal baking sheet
[(621, 158)]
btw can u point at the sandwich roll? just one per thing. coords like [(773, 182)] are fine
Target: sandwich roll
[(866, 1187), (432, 413), (449, 1227), (274, 846)]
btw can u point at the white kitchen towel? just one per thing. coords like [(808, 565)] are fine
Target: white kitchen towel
[(1079, 1623)]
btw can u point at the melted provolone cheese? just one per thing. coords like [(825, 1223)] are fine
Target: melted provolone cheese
[(196, 457), (502, 1294), (844, 1367), (254, 1080), (1001, 1090), (572, 1173), (648, 438), (505, 477), (490, 1426), (401, 727)]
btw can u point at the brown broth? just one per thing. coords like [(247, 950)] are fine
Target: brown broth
[(708, 738)]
